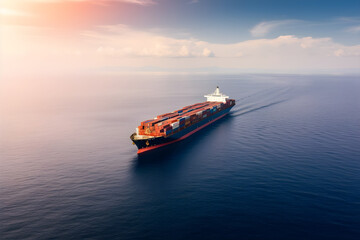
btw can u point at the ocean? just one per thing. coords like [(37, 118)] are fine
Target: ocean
[(284, 164)]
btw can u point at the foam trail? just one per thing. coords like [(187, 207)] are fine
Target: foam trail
[(272, 95), (241, 108), (258, 108), (266, 95)]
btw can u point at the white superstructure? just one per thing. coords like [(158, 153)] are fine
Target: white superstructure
[(216, 96)]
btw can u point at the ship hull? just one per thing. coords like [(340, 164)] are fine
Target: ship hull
[(149, 144)]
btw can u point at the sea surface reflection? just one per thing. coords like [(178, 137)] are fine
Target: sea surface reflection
[(284, 164)]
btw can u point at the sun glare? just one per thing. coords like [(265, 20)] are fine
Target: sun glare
[(11, 12)]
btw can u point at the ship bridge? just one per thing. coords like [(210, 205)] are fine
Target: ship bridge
[(216, 96)]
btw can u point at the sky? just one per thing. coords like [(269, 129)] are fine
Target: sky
[(180, 36)]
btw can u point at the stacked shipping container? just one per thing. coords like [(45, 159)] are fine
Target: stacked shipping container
[(169, 123)]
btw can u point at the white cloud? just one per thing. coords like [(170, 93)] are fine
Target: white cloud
[(145, 44), (139, 2), (339, 52), (349, 19), (208, 53), (184, 52), (283, 52), (354, 29), (264, 28), (119, 45), (106, 50)]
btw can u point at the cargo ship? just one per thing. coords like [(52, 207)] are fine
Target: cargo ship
[(172, 127)]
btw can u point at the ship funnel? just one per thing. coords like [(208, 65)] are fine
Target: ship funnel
[(217, 91)]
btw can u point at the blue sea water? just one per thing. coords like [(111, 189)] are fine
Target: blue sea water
[(284, 164)]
